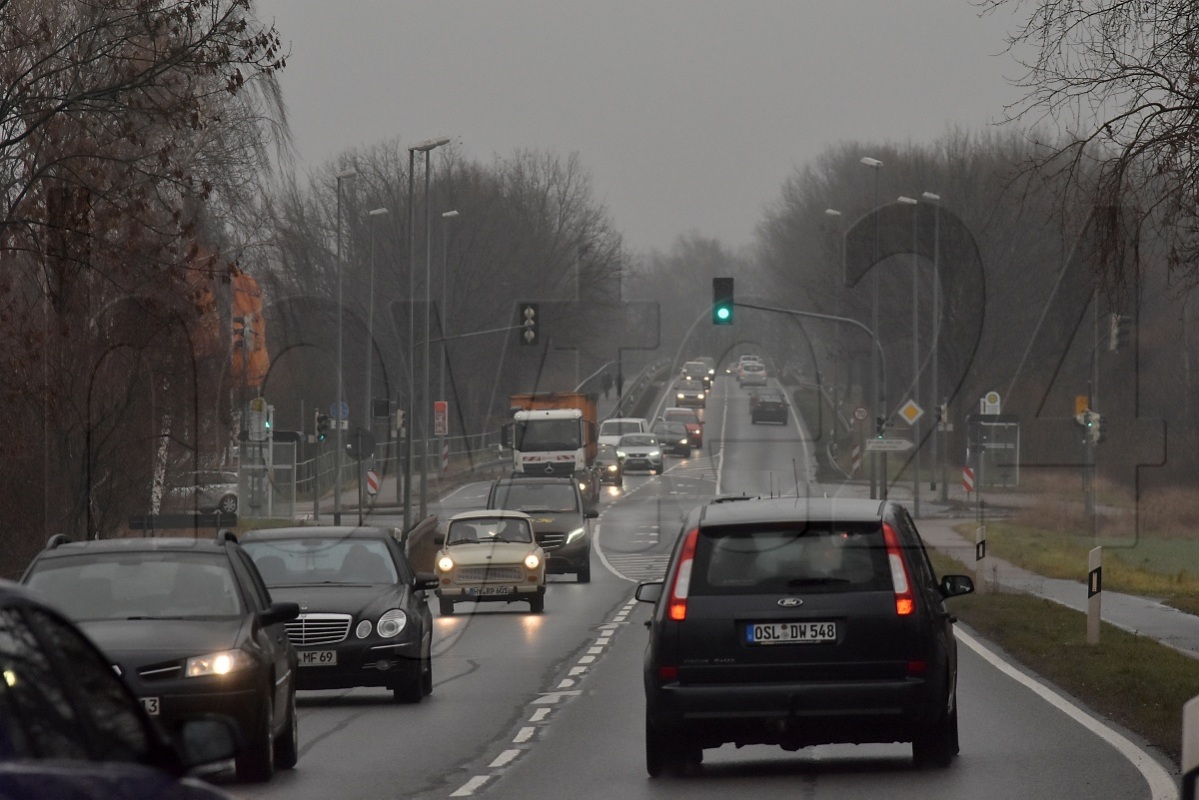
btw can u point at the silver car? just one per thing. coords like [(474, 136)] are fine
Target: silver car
[(640, 451), (213, 490)]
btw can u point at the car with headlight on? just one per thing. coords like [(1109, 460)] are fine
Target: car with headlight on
[(191, 628), (673, 438), (611, 469), (690, 393), (364, 615), (490, 556), (690, 418), (561, 520), (640, 451)]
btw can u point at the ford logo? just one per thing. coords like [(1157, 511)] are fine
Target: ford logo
[(790, 602)]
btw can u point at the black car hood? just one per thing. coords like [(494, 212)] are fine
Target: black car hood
[(551, 522), (120, 638), (353, 599)]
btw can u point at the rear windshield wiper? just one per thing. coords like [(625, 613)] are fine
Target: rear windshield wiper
[(824, 581)]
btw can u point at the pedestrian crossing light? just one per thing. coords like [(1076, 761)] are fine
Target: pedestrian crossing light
[(722, 301), (528, 323), (322, 427)]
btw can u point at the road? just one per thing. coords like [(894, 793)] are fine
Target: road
[(544, 706)]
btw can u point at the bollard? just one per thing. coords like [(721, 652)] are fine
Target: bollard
[(1094, 593), (981, 583)]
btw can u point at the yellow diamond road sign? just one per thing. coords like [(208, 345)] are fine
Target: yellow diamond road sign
[(911, 412)]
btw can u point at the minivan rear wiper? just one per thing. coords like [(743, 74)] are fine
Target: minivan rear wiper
[(822, 581)]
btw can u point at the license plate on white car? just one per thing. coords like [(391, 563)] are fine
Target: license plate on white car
[(317, 658), (790, 632), (491, 590), (150, 704)]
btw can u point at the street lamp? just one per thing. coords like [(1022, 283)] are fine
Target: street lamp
[(877, 477), (446, 216), (426, 147), (340, 378), (915, 351), (836, 215), (370, 339), (936, 352)]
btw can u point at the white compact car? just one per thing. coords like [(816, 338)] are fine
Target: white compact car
[(490, 556)]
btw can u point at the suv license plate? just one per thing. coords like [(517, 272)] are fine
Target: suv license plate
[(317, 658), (150, 704), (790, 632)]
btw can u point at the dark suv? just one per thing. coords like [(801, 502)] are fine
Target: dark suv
[(560, 519), (798, 622), (190, 626)]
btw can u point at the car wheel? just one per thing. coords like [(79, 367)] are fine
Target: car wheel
[(228, 504), (938, 746), (287, 746), (426, 678), (256, 761), (537, 603), (584, 574), (446, 606), (664, 754)]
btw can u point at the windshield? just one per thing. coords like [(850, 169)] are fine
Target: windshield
[(145, 585), (306, 561), (475, 531), (614, 427), (548, 434), (529, 497), (639, 440)]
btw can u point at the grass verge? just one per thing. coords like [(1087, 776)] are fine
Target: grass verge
[(1133, 680)]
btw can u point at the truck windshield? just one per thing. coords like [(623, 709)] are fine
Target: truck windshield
[(548, 434)]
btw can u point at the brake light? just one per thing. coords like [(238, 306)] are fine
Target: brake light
[(905, 601), (681, 585)]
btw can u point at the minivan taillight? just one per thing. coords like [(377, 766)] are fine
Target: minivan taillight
[(676, 608), (905, 601)]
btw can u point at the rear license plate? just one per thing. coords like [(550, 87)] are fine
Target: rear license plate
[(491, 590), (150, 704), (317, 658), (790, 632)]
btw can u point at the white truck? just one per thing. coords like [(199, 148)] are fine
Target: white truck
[(554, 434)]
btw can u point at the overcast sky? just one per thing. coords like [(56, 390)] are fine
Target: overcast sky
[(687, 114)]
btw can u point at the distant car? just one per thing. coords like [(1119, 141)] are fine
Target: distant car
[(640, 451), (610, 430), (798, 624), (610, 467), (673, 438), (191, 627), (690, 393), (488, 557), (70, 728), (767, 405), (690, 418), (365, 618), (697, 371), (753, 373), (561, 521), (207, 491)]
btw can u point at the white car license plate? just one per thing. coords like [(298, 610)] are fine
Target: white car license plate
[(790, 632), (486, 590), (150, 704), (317, 658)]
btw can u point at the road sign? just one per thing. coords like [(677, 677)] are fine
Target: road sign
[(361, 444), (340, 410), (372, 482), (860, 413), (911, 412), (888, 445), (968, 479), (441, 418)]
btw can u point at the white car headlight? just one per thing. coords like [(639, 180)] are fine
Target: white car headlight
[(683, 440), (655, 453), (612, 468), (575, 534), (621, 454), (445, 564), (220, 663), (391, 623), (681, 395), (532, 561)]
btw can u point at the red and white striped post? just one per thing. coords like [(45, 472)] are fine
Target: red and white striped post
[(968, 481), (855, 465)]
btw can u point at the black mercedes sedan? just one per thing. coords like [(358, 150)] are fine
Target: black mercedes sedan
[(364, 616), (190, 627)]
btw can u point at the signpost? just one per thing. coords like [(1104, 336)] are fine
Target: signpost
[(441, 418), (888, 445)]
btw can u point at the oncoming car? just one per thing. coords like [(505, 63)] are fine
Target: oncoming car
[(795, 623), (640, 451), (611, 470), (490, 557)]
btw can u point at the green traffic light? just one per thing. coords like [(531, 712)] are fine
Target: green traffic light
[(723, 312)]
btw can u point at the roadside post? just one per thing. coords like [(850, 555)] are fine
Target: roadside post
[(980, 558), (1190, 749), (1094, 593)]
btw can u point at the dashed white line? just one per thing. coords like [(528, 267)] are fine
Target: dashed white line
[(539, 715), (471, 786), (506, 757), (523, 735)]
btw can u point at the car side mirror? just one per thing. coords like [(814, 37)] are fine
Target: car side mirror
[(425, 581), (205, 740), (439, 539), (278, 612), (649, 592), (954, 585), (590, 513)]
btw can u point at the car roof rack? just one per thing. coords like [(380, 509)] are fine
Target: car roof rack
[(226, 535), (57, 540), (732, 498)]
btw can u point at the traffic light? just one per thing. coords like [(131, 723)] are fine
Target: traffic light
[(269, 419), (722, 301), (1100, 428), (322, 426), (528, 323), (880, 426), (1120, 332), (400, 420)]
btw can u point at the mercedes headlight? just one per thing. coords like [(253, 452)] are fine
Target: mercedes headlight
[(220, 663), (391, 623), (575, 534), (532, 561), (445, 564)]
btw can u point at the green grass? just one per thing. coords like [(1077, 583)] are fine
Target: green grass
[(1130, 679)]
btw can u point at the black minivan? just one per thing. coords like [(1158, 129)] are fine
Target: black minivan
[(797, 622)]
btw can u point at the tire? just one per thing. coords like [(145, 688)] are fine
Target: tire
[(584, 575), (426, 678), (537, 603), (228, 504), (937, 747), (287, 746), (665, 754), (256, 761), (445, 606), (411, 688)]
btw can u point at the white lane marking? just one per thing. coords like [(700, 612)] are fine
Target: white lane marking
[(471, 786), (524, 734), (506, 757), (553, 697), (595, 651), (1161, 785), (724, 418), (578, 671), (540, 714), (586, 659), (565, 683)]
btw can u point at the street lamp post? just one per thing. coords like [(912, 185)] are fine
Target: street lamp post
[(836, 215), (367, 416), (340, 378), (938, 477), (915, 352), (446, 216), (878, 477)]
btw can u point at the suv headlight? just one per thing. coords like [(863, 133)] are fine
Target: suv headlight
[(391, 623), (575, 534), (219, 663)]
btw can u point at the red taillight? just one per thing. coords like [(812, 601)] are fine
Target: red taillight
[(905, 601), (681, 585), (668, 674), (917, 667)]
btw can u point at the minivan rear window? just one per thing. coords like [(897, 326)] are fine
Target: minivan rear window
[(812, 557)]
